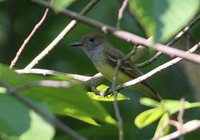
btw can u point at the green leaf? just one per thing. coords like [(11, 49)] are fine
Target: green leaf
[(173, 106), (19, 122), (72, 101), (2, 90), (164, 18), (39, 129), (62, 4), (147, 117), (108, 98), (160, 130), (170, 106), (149, 102), (192, 105)]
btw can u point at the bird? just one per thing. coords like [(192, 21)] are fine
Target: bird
[(105, 57)]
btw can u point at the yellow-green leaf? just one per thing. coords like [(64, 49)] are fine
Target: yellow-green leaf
[(161, 129), (147, 117)]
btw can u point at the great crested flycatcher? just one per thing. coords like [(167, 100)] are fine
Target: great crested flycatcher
[(105, 58)]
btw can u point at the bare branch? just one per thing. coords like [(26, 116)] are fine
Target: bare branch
[(156, 70), (173, 41), (115, 93), (115, 102), (129, 37), (45, 83), (121, 12), (51, 72), (14, 61), (87, 81), (62, 34), (51, 119), (186, 128), (162, 129), (149, 61), (180, 116)]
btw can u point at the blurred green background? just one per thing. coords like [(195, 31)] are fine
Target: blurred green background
[(18, 19)]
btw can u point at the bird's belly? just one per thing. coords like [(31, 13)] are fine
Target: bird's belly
[(108, 72)]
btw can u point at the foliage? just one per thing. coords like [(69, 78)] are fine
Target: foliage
[(162, 111), (91, 115)]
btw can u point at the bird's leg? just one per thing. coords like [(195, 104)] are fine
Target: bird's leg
[(95, 91), (107, 92)]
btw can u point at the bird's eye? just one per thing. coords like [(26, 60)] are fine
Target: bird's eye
[(91, 39)]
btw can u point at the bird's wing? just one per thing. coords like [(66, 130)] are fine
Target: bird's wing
[(126, 66), (129, 68)]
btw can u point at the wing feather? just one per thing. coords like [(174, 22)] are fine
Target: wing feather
[(127, 66)]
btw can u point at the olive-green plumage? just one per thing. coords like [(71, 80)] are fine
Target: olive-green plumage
[(104, 57)]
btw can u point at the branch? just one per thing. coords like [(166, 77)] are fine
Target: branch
[(149, 61), (172, 42), (129, 37), (121, 12), (115, 103), (180, 116), (14, 61), (51, 119), (87, 81), (186, 128), (45, 83), (53, 73), (156, 70), (62, 34)]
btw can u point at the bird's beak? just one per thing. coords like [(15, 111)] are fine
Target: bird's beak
[(76, 44)]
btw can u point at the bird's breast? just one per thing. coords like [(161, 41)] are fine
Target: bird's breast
[(108, 72)]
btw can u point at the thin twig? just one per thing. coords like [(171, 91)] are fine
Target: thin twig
[(51, 119), (121, 12), (186, 128), (87, 81), (175, 123), (132, 52), (188, 41), (162, 129), (115, 93), (180, 116), (172, 42), (156, 70), (115, 103), (26, 41), (127, 36), (45, 83), (181, 111), (149, 61), (178, 124), (81, 78), (62, 34)]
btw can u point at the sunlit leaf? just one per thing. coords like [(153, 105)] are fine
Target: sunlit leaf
[(110, 97), (149, 102), (173, 106), (72, 101), (147, 117), (19, 122), (163, 129)]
